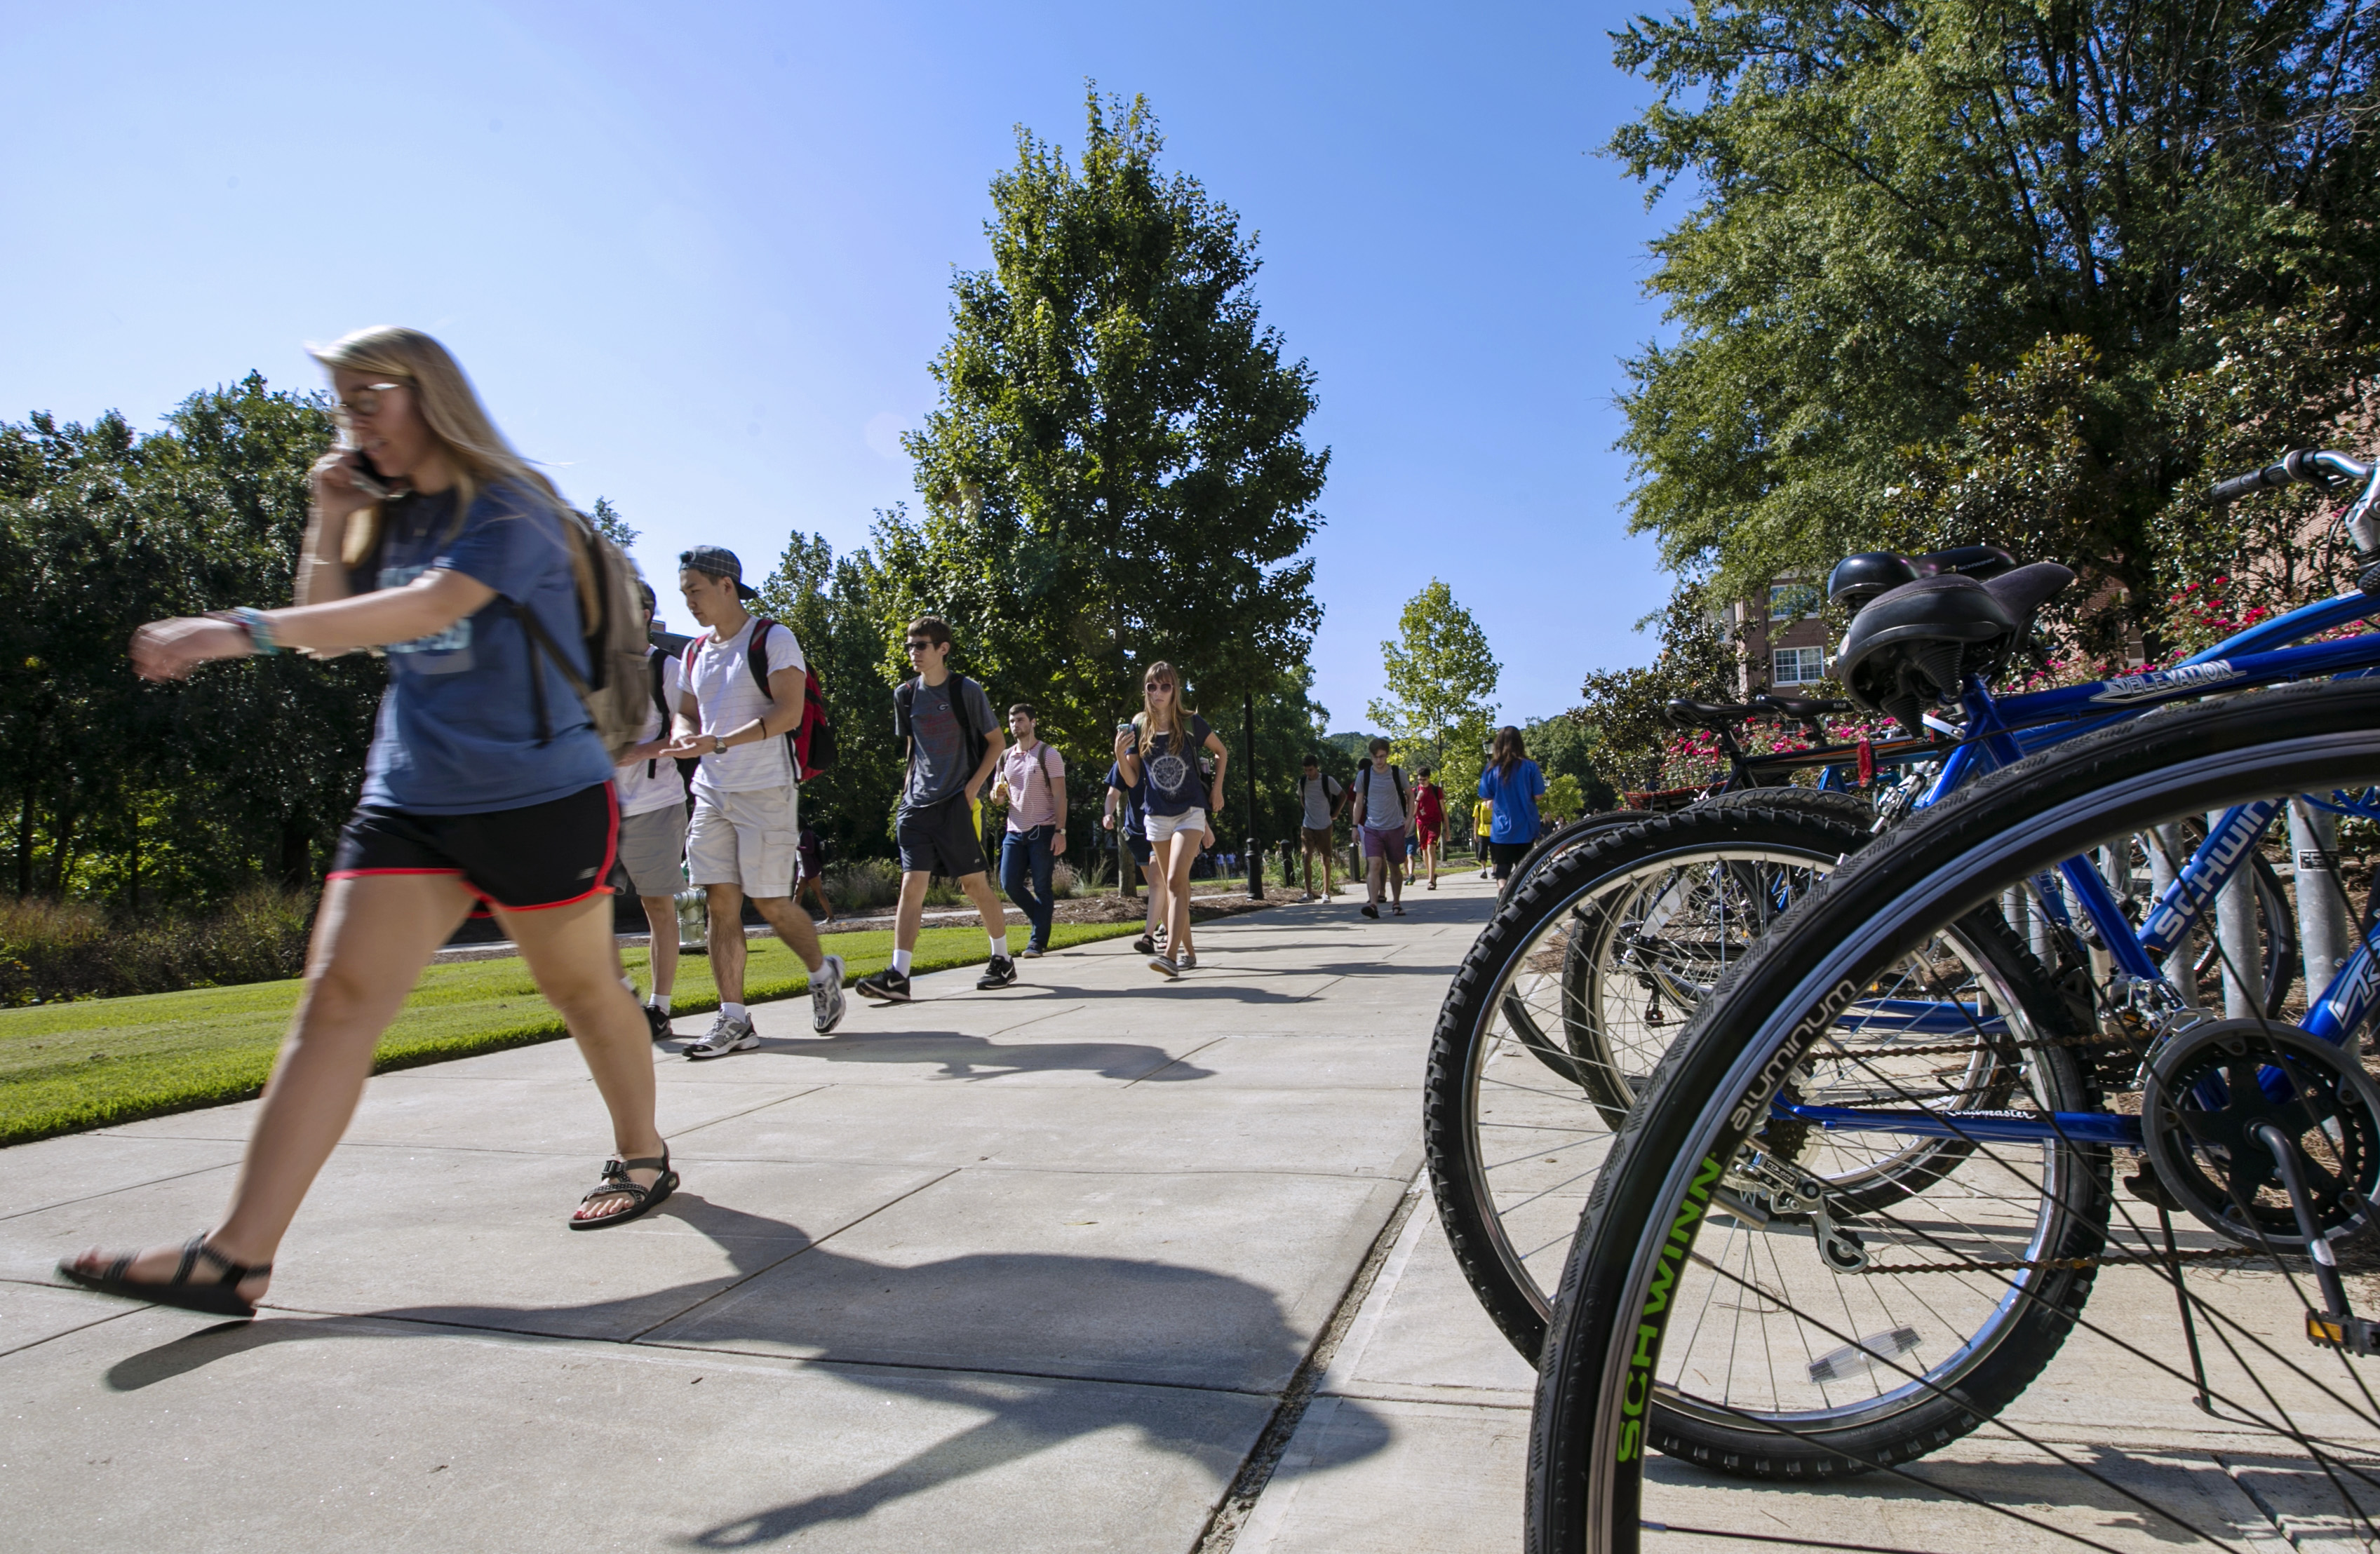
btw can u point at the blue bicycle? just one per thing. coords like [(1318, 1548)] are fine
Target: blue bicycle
[(1618, 929), (1873, 1185)]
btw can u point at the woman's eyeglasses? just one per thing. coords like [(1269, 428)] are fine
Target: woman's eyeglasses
[(364, 402)]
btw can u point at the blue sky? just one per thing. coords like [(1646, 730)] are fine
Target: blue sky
[(698, 259)]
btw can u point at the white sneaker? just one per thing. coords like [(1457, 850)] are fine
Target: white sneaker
[(826, 996), (725, 1036), (1163, 966)]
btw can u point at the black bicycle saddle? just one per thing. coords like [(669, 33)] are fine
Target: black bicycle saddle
[(1800, 709), (1859, 578), (1686, 712), (1914, 644)]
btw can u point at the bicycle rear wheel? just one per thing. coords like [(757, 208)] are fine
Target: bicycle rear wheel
[(1566, 1002), (1690, 1322)]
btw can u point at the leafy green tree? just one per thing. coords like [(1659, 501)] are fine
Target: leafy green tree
[(189, 790), (1440, 679), (1628, 737), (1115, 473), (1563, 745), (609, 524), (831, 604), (1906, 209)]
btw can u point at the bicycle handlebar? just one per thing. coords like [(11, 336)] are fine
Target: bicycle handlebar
[(2322, 467)]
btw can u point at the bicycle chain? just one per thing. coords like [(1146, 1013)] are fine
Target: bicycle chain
[(2026, 1265), (1945, 1049)]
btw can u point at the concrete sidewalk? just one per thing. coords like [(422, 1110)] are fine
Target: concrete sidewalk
[(1021, 1271), (1030, 1270)]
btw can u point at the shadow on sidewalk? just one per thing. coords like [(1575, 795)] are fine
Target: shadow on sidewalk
[(977, 1057), (1172, 1308)]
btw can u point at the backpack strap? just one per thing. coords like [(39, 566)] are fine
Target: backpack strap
[(657, 664), (534, 631), (755, 656)]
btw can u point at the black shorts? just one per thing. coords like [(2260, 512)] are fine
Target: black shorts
[(1139, 848), (544, 855), (940, 839)]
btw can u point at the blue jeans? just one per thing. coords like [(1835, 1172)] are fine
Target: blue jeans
[(1030, 850)]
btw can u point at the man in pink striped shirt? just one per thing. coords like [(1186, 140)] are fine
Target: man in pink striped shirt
[(1032, 782)]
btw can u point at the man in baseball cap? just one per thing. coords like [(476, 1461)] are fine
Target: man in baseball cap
[(717, 562)]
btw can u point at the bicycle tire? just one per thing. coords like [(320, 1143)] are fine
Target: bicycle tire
[(1819, 828), (1597, 1406)]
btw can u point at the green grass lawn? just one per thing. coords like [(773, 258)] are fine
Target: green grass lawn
[(68, 1066)]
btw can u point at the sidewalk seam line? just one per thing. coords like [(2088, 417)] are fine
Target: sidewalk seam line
[(1248, 1485)]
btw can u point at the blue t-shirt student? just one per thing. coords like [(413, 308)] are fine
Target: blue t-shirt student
[(1514, 799), (1134, 794), (458, 730)]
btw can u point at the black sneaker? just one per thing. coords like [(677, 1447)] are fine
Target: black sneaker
[(891, 985), (1001, 973), (657, 1022)]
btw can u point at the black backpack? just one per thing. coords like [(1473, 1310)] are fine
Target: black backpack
[(971, 737)]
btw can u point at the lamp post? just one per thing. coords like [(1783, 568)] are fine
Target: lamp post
[(1255, 856)]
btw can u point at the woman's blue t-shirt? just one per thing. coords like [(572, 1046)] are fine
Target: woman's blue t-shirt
[(1514, 801), (1174, 783), (458, 728)]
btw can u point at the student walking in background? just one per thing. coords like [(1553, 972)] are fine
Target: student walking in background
[(652, 826), (1383, 816), (1483, 820), (1162, 750), (1510, 787), (1318, 798), (1430, 821), (1032, 782), (1124, 800), (430, 537), (745, 681), (813, 876), (952, 746)]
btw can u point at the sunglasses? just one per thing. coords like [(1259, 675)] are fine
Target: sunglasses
[(919, 644), (365, 402)]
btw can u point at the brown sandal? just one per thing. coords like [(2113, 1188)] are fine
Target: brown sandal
[(220, 1298), (616, 1183)]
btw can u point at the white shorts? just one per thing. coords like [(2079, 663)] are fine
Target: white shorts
[(747, 839), (1165, 828), (651, 846)]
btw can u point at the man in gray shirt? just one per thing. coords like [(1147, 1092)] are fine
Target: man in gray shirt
[(953, 743)]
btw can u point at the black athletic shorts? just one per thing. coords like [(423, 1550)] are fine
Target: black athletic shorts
[(940, 839), (544, 855)]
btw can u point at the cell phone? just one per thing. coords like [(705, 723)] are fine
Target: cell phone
[(1126, 726), (366, 479)]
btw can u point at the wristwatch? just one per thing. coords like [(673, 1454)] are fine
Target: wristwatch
[(718, 745)]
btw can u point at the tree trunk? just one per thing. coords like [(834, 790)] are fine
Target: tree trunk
[(297, 853), (25, 846), (61, 853)]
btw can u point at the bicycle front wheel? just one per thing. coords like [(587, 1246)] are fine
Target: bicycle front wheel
[(1695, 1320)]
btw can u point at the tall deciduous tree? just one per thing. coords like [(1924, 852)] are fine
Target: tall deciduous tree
[(1906, 206), (1441, 681), (1116, 472)]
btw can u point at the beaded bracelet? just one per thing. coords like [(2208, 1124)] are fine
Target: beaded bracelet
[(258, 629)]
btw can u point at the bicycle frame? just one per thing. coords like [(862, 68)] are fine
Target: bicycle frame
[(1996, 735)]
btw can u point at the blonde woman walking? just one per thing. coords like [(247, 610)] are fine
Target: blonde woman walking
[(1161, 748), (430, 537)]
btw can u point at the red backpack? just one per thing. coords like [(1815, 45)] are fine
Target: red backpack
[(812, 743)]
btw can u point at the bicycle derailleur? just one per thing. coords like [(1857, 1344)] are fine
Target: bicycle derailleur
[(1767, 1190), (2269, 1137)]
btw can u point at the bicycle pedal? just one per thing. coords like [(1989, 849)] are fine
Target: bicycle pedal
[(2355, 1335)]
